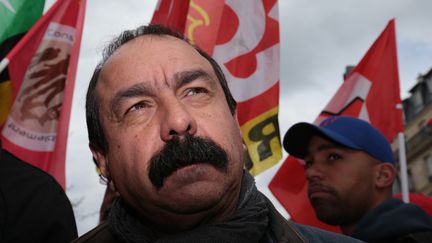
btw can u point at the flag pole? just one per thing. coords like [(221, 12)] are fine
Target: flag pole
[(403, 167), (4, 63)]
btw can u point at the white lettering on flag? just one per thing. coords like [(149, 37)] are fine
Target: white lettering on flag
[(249, 34), (28, 139), (60, 33)]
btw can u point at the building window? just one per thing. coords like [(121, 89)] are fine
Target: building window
[(397, 184), (416, 100), (428, 95), (428, 162), (411, 186)]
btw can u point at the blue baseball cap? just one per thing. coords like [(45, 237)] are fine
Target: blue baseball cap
[(346, 131)]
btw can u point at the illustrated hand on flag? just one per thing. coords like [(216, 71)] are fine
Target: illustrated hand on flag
[(42, 70)]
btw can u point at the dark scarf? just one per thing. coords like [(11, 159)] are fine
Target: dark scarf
[(247, 224)]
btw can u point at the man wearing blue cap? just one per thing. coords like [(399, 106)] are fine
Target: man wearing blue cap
[(350, 171)]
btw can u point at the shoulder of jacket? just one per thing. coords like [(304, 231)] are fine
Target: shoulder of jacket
[(283, 230), (417, 237), (99, 234), (287, 231)]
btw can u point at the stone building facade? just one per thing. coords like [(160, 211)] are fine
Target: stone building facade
[(418, 135)]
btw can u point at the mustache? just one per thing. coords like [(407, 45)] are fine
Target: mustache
[(318, 187), (178, 153)]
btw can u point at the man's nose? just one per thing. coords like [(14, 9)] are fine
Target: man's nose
[(177, 121), (314, 172)]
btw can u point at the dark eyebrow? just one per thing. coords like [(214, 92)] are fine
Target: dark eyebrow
[(183, 78), (329, 146), (140, 89)]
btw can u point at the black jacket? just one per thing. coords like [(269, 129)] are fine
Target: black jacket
[(33, 206), (393, 221), (280, 230)]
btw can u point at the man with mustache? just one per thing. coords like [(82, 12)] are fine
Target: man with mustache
[(163, 130), (350, 171)]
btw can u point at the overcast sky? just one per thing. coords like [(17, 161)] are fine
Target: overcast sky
[(318, 39)]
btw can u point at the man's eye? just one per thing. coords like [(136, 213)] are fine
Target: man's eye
[(333, 157), (137, 106), (195, 91)]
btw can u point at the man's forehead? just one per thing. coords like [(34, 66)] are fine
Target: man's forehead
[(129, 65), (153, 44), (320, 142), (152, 52)]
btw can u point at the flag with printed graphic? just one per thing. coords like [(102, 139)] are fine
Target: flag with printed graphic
[(370, 92), (42, 70), (243, 37), (16, 17)]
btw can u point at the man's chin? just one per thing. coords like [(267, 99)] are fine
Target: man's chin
[(327, 214), (192, 198), (194, 188)]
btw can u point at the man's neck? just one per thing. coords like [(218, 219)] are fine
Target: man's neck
[(348, 229)]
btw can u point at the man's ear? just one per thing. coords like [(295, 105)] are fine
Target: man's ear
[(101, 161), (386, 174)]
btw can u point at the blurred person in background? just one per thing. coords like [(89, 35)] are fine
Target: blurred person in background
[(350, 171), (33, 206)]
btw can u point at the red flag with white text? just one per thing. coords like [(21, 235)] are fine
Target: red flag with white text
[(370, 92), (42, 69), (243, 37)]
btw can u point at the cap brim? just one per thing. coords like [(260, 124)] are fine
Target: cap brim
[(298, 137)]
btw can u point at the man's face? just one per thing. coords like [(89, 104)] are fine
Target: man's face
[(340, 181), (173, 143)]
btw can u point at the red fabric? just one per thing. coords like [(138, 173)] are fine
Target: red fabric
[(245, 113), (420, 200), (371, 92), (429, 123), (171, 13), (42, 71)]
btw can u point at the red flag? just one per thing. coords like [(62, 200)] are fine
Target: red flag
[(421, 200), (42, 70), (371, 92), (429, 123), (171, 13), (243, 37)]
